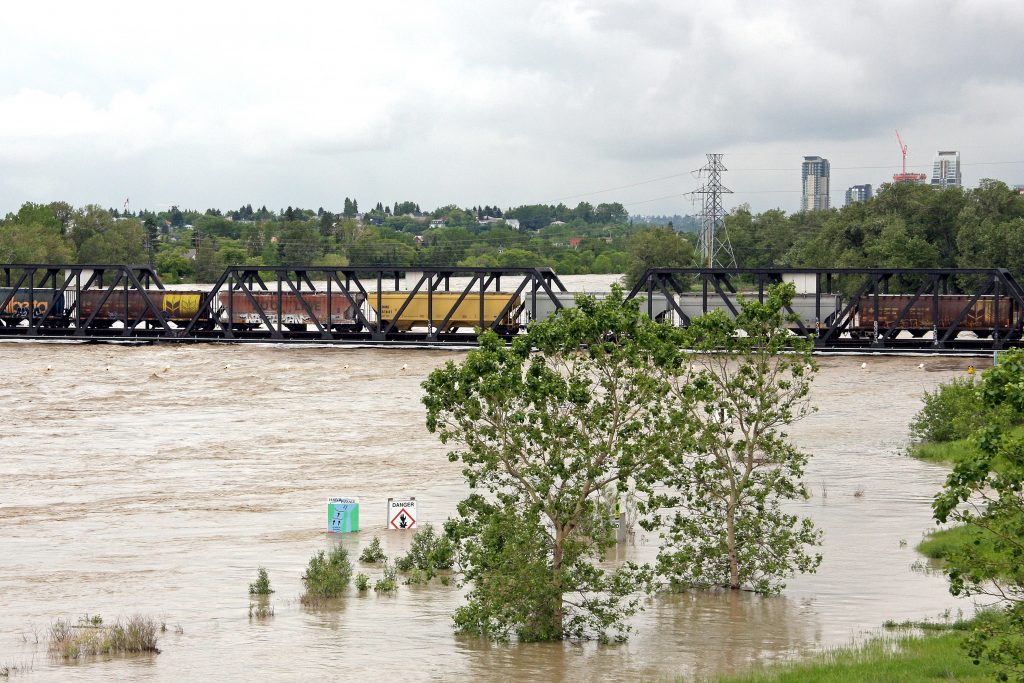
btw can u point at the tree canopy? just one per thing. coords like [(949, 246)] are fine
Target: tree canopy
[(552, 436)]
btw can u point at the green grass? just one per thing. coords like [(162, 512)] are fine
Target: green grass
[(952, 452), (885, 659), (939, 544)]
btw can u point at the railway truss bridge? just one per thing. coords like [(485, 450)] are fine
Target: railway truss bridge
[(869, 309)]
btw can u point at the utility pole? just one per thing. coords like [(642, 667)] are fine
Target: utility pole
[(715, 248)]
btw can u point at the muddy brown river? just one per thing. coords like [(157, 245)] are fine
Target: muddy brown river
[(155, 480)]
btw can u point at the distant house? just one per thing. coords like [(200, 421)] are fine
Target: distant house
[(574, 242), (418, 239), (437, 223)]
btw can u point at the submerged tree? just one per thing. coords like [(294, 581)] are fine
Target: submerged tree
[(730, 475), (546, 426), (986, 491)]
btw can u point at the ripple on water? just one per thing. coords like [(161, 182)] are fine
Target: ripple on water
[(159, 485)]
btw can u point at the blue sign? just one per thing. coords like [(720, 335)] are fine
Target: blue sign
[(342, 515)]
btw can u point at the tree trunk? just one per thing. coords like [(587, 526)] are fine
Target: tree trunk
[(730, 527), (558, 615)]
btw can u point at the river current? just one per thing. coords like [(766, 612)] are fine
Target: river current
[(156, 479)]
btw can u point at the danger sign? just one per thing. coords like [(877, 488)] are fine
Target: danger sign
[(402, 513)]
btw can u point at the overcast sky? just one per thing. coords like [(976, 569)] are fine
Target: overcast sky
[(217, 105)]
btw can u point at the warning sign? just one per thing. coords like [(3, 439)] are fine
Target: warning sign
[(402, 513), (342, 515)]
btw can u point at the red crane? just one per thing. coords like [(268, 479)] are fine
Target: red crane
[(906, 177), (903, 148)]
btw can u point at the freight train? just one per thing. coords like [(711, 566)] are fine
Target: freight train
[(450, 312), (242, 310), (247, 311)]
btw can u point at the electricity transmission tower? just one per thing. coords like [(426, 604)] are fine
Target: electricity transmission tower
[(714, 246)]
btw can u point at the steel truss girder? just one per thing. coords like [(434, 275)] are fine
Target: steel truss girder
[(996, 283), (64, 280), (355, 286)]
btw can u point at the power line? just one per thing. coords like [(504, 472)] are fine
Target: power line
[(624, 187)]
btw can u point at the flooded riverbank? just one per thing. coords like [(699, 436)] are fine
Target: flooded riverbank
[(156, 480)]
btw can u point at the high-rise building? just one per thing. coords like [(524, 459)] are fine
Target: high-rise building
[(946, 169), (815, 184), (858, 193)]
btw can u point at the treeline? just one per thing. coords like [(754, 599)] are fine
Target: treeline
[(903, 225), (190, 246)]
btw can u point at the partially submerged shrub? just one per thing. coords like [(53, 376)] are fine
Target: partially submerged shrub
[(260, 610), (953, 411), (373, 553), (90, 637), (262, 584), (327, 575), (428, 554), (387, 583), (362, 582)]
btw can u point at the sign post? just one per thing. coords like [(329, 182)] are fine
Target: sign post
[(342, 515), (402, 513)]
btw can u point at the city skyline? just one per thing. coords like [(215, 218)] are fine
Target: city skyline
[(544, 102)]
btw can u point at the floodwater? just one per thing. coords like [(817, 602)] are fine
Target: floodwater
[(155, 480)]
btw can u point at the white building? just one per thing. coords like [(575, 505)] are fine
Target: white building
[(946, 169)]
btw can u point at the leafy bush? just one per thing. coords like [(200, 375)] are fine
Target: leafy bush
[(262, 584), (90, 637), (953, 411), (373, 553), (362, 582), (387, 583), (428, 554), (327, 575)]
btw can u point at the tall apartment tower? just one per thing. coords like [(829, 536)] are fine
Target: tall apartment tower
[(946, 169), (858, 193), (815, 184)]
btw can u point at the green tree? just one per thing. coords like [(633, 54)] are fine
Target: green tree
[(32, 243), (103, 239), (728, 478), (987, 492), (174, 266), (552, 426), (519, 258), (611, 213), (658, 248), (209, 264), (300, 242)]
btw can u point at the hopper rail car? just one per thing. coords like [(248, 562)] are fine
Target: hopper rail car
[(872, 309)]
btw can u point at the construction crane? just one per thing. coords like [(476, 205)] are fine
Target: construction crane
[(903, 148), (906, 177)]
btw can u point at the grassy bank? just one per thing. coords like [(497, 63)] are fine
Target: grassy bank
[(952, 452), (940, 543), (911, 659), (947, 452)]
